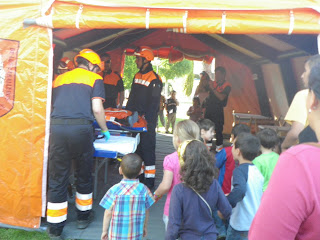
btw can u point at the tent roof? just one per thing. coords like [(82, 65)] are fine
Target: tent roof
[(188, 16), (205, 4), (247, 49)]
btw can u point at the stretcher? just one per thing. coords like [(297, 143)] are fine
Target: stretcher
[(115, 126), (121, 142)]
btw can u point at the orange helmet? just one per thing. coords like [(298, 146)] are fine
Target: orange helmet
[(90, 55), (66, 64), (145, 52)]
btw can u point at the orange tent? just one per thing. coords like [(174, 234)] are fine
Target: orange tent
[(26, 69)]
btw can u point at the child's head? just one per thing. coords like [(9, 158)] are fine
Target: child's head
[(246, 147), (197, 165), (130, 165), (196, 101), (237, 129), (268, 138), (185, 130), (206, 129)]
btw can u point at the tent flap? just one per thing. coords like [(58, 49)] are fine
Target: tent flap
[(24, 55)]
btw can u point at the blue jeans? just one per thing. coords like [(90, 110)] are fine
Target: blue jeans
[(220, 225), (233, 234)]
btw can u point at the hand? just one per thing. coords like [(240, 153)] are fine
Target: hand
[(106, 134), (157, 197), (220, 215), (104, 236)]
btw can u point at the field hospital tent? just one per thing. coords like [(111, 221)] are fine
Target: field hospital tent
[(32, 31)]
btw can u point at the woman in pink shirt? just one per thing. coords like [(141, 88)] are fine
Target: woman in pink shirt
[(290, 207)]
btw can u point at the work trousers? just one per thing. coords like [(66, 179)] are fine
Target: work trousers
[(146, 150), (161, 116), (69, 142), (171, 120), (219, 133), (218, 119)]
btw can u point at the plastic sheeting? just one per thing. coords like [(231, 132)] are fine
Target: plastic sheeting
[(205, 4), (23, 97), (175, 46), (189, 16)]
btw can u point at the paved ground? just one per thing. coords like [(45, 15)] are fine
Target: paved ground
[(155, 226)]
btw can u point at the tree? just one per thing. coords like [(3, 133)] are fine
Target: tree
[(166, 71), (177, 70), (130, 69)]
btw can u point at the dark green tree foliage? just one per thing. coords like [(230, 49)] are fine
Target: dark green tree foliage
[(172, 70), (130, 69)]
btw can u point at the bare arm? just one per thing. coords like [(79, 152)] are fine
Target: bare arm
[(106, 223), (165, 184), (292, 136), (220, 96), (190, 111), (145, 225), (121, 98), (98, 113)]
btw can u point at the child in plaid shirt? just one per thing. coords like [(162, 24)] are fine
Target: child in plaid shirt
[(127, 204)]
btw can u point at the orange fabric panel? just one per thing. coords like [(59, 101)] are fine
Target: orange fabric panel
[(24, 54), (175, 46), (259, 18), (206, 4), (275, 89), (242, 86)]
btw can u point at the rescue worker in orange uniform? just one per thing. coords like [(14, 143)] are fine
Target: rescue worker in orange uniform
[(77, 97), (113, 84), (214, 104), (145, 98)]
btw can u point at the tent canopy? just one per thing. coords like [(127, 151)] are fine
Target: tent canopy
[(188, 16)]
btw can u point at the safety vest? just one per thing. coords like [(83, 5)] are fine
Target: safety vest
[(141, 95), (222, 87), (145, 79), (111, 79)]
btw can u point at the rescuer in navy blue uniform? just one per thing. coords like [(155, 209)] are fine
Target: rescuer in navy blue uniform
[(218, 97), (77, 98), (145, 99), (113, 84)]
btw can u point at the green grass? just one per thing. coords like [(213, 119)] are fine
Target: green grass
[(14, 234)]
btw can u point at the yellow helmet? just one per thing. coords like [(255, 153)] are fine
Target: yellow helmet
[(145, 52), (90, 55)]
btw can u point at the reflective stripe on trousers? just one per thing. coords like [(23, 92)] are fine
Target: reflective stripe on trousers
[(57, 212)]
